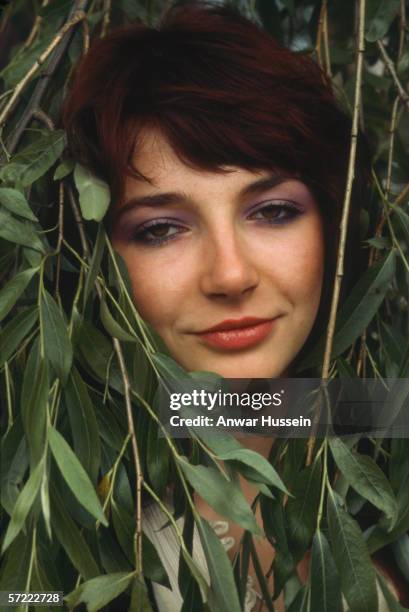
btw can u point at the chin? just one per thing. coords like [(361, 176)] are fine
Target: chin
[(241, 366)]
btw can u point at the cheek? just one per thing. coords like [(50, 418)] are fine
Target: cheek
[(159, 285), (299, 264)]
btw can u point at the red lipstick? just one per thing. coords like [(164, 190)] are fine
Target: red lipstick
[(235, 334)]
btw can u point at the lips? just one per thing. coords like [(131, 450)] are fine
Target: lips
[(235, 334)]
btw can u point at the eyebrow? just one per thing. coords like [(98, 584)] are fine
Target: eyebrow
[(179, 197)]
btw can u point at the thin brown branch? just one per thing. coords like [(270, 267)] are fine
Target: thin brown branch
[(392, 131), (80, 224), (391, 68), (402, 28), (127, 395), (41, 87), (344, 222), (36, 27), (85, 37), (134, 442), (107, 17), (77, 17), (40, 115), (326, 43), (60, 236), (319, 31), (403, 194)]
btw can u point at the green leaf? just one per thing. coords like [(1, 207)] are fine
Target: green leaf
[(325, 587), (33, 162), (14, 463), (352, 559), (63, 169), (34, 398), (362, 304), (12, 335), (152, 565), (221, 494), (301, 509), (401, 554), (359, 309), (267, 596), (75, 475), (19, 232), (223, 593), (380, 15), (93, 194), (23, 505), (97, 255), (362, 473), (16, 203), (71, 538), (403, 221), (157, 458), (139, 597), (124, 525), (16, 564), (84, 425), (57, 342), (258, 463), (13, 290), (99, 591), (113, 327), (392, 603)]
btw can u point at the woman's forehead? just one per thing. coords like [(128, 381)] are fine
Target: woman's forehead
[(156, 161)]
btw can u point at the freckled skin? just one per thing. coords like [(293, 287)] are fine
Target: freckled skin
[(224, 262)]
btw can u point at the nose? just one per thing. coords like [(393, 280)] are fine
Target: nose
[(228, 269)]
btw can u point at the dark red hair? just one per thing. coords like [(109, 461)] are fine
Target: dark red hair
[(223, 93)]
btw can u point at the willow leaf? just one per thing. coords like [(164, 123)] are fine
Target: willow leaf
[(325, 587), (96, 259), (94, 194), (352, 559), (264, 470), (84, 425), (13, 290), (98, 592), (71, 538), (358, 310), (221, 494), (139, 597), (23, 505), (33, 162), (75, 475), (380, 15), (19, 232), (15, 202), (57, 342), (301, 510), (15, 331), (362, 473), (157, 458), (34, 398), (112, 326), (223, 593), (16, 564)]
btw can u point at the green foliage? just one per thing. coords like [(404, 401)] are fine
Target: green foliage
[(78, 365)]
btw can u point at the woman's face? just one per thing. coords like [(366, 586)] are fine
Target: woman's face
[(227, 267)]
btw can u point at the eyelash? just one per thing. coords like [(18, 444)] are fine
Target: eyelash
[(289, 208)]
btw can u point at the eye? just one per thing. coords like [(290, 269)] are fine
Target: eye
[(276, 213), (157, 232)]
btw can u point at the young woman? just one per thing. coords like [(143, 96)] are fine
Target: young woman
[(226, 156)]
